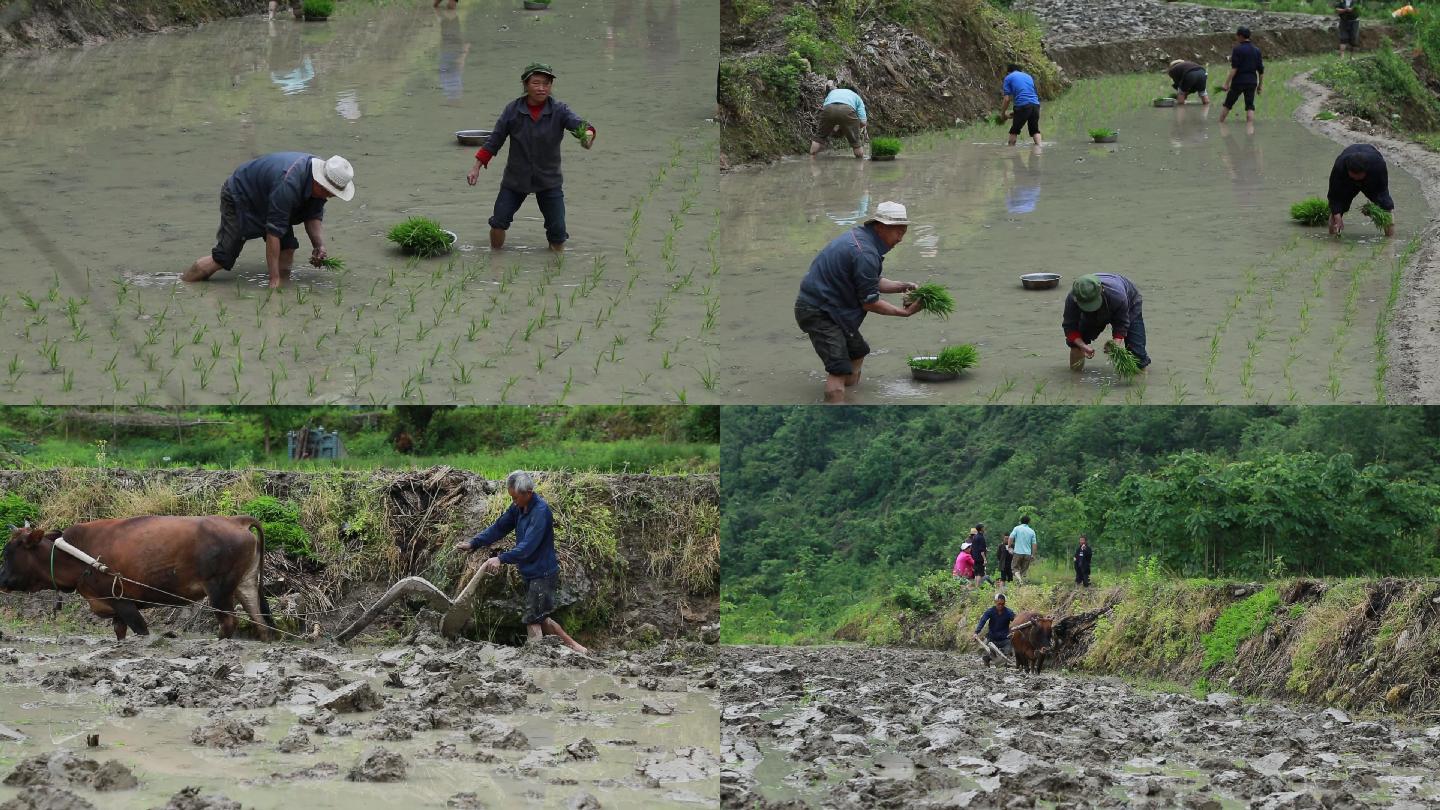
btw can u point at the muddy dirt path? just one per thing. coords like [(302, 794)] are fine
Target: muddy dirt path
[(880, 727), (422, 724)]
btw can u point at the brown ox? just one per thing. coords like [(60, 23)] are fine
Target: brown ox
[(1030, 639), (194, 558)]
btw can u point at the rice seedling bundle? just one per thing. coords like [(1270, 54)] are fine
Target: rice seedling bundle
[(1382, 218), (1312, 211), (951, 360), (933, 299), (421, 236), (884, 147), (1101, 132), (1124, 361)]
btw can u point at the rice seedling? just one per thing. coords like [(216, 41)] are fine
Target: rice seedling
[(933, 299), (952, 359), (1382, 218), (1101, 133), (420, 236), (1326, 115), (1311, 211), (884, 147), (1124, 362)]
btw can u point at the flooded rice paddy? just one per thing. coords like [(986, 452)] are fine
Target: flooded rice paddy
[(1241, 305), (113, 157), (470, 725)]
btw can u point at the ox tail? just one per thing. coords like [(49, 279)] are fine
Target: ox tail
[(251, 523)]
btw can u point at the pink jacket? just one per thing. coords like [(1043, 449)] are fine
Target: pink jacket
[(964, 565)]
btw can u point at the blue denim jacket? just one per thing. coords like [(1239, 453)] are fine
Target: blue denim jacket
[(534, 551), (272, 193), (534, 161)]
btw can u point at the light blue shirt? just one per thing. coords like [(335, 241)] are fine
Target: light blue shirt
[(1024, 538), (842, 96), (1021, 87)]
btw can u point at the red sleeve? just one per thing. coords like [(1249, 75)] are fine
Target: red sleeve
[(1117, 335), (1072, 337), (484, 157)]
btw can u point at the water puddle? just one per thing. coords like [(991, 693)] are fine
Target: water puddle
[(1241, 305), (113, 157)]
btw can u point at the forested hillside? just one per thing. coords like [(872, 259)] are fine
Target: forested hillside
[(825, 507)]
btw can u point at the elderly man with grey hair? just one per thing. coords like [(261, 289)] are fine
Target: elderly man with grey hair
[(534, 554)]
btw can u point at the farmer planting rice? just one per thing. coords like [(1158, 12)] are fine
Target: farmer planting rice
[(1098, 300), (1247, 75), (267, 197), (1019, 88), (536, 125), (842, 113), (534, 554), (1359, 168), (1188, 77), (844, 283)]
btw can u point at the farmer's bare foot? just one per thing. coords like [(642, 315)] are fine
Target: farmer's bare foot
[(497, 238)]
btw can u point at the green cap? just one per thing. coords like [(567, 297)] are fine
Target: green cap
[(1086, 292), (537, 67)]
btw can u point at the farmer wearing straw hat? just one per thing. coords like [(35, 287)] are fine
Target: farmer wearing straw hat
[(266, 198), (1098, 300), (1188, 77), (844, 283), (536, 125), (530, 518)]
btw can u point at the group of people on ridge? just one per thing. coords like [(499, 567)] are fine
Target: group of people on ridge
[(1017, 552)]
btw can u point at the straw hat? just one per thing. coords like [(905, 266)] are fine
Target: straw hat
[(889, 213), (335, 174)]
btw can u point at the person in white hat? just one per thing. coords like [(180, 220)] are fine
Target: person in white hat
[(266, 198), (845, 283)]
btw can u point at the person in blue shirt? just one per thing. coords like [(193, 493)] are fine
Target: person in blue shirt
[(844, 283), (1019, 88), (1247, 75), (1027, 548), (843, 112), (534, 554), (999, 618)]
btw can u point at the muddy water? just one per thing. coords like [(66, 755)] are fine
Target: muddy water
[(864, 727), (113, 157), (564, 704), (1241, 305)]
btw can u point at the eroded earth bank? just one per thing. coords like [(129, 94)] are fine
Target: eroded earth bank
[(851, 727)]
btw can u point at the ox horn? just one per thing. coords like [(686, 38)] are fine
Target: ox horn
[(27, 524)]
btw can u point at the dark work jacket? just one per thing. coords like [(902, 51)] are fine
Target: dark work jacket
[(1376, 184), (1120, 307), (1082, 559), (273, 192), (845, 276), (1245, 58), (1178, 72), (999, 623), (534, 551), (978, 547), (1007, 560), (534, 161)]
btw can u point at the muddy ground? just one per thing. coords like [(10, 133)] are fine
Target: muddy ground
[(424, 723), (858, 727)]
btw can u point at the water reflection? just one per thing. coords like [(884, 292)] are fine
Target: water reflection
[(347, 104), (453, 50), (1244, 162), (1022, 191), (1189, 126), (291, 68)]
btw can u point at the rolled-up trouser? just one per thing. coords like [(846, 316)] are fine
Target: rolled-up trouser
[(230, 237), (842, 116), (1234, 95), (552, 207), (540, 598), (838, 348), (1194, 81), (1022, 563)]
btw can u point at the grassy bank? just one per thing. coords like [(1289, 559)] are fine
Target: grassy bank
[(1395, 87), (777, 54), (1371, 645), (628, 545)]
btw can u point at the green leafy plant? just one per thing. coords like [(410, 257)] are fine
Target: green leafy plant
[(1124, 361), (1326, 115), (15, 511), (333, 263), (1382, 218), (998, 119), (318, 8), (933, 299), (1312, 211), (420, 235), (951, 360), (580, 131), (281, 524), (1102, 132), (884, 147)]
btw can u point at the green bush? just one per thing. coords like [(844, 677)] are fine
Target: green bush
[(281, 524), (782, 76), (1312, 211), (884, 147), (1383, 88), (421, 236), (909, 597), (318, 8), (1427, 36), (1241, 621), (15, 511)]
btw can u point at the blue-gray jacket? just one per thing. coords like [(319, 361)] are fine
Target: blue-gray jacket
[(272, 193), (534, 551), (534, 161), (845, 276)]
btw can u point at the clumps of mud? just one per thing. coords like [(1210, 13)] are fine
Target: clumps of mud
[(864, 727), (224, 732), (46, 798), (64, 769), (190, 798), (379, 765)]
